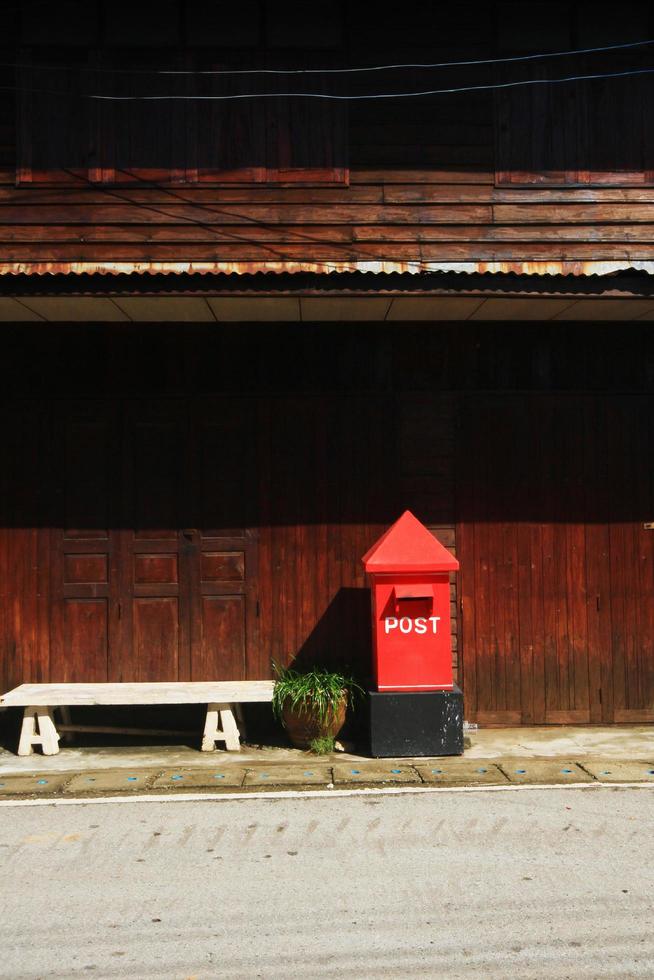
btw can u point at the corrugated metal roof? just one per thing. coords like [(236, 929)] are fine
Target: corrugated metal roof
[(622, 282), (545, 268)]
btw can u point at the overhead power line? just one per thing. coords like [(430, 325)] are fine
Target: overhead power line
[(370, 97), (333, 71), (417, 66)]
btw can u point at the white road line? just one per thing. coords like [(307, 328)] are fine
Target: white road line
[(314, 793)]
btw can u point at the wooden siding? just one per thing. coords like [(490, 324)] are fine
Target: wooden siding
[(403, 219), (557, 601), (477, 429)]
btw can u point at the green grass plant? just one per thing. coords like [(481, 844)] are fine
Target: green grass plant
[(323, 745), (317, 692)]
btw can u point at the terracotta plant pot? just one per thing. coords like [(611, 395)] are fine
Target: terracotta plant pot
[(302, 726)]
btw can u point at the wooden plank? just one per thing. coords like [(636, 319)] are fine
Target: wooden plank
[(176, 254), (188, 692), (486, 651), (260, 253), (524, 559), (577, 592), (598, 580), (498, 719), (621, 627), (120, 730), (41, 194), (545, 214), (233, 214), (465, 537), (200, 232), (417, 175), (633, 716), (569, 716), (636, 504), (428, 192), (556, 232)]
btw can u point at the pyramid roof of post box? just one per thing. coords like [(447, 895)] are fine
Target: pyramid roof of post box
[(408, 546)]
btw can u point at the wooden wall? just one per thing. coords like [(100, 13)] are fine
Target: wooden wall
[(333, 453), (527, 449)]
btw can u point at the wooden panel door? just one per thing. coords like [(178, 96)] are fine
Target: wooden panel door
[(82, 460), (152, 548), (188, 606), (222, 546), (557, 566), (154, 584)]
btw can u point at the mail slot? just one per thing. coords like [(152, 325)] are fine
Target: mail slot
[(410, 578)]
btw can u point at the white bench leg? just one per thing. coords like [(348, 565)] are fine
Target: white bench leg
[(38, 728), (227, 733)]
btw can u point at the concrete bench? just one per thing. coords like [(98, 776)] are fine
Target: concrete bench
[(223, 700)]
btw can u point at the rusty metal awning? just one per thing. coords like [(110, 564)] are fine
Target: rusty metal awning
[(443, 296)]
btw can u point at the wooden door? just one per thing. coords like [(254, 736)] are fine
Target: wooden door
[(154, 582), (152, 552), (221, 548), (557, 588), (80, 541)]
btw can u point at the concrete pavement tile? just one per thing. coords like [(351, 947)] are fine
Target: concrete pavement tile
[(462, 773), (306, 774), (543, 771), (621, 772), (364, 772), (199, 778), (40, 782), (111, 781)]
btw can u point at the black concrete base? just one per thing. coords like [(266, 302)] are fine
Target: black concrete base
[(428, 723)]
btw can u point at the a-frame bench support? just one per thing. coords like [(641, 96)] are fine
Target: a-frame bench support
[(223, 716), (38, 728)]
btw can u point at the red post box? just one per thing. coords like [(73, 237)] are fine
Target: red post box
[(410, 570)]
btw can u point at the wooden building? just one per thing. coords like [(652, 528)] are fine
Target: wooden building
[(240, 336)]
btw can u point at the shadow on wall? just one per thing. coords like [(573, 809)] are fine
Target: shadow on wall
[(341, 639)]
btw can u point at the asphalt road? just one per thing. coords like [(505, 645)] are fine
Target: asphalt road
[(533, 883)]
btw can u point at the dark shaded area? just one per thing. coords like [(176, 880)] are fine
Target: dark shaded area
[(582, 132), (341, 639), (236, 426)]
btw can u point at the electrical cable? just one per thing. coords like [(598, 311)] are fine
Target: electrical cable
[(334, 71), (417, 66), (371, 97)]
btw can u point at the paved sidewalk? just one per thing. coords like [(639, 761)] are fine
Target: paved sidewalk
[(497, 757)]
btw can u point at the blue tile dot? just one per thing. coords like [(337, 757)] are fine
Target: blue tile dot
[(396, 771), (482, 770), (606, 772), (176, 777), (218, 775), (437, 771), (132, 779), (566, 770), (650, 772), (42, 782), (264, 775), (355, 772), (521, 771), (309, 773)]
